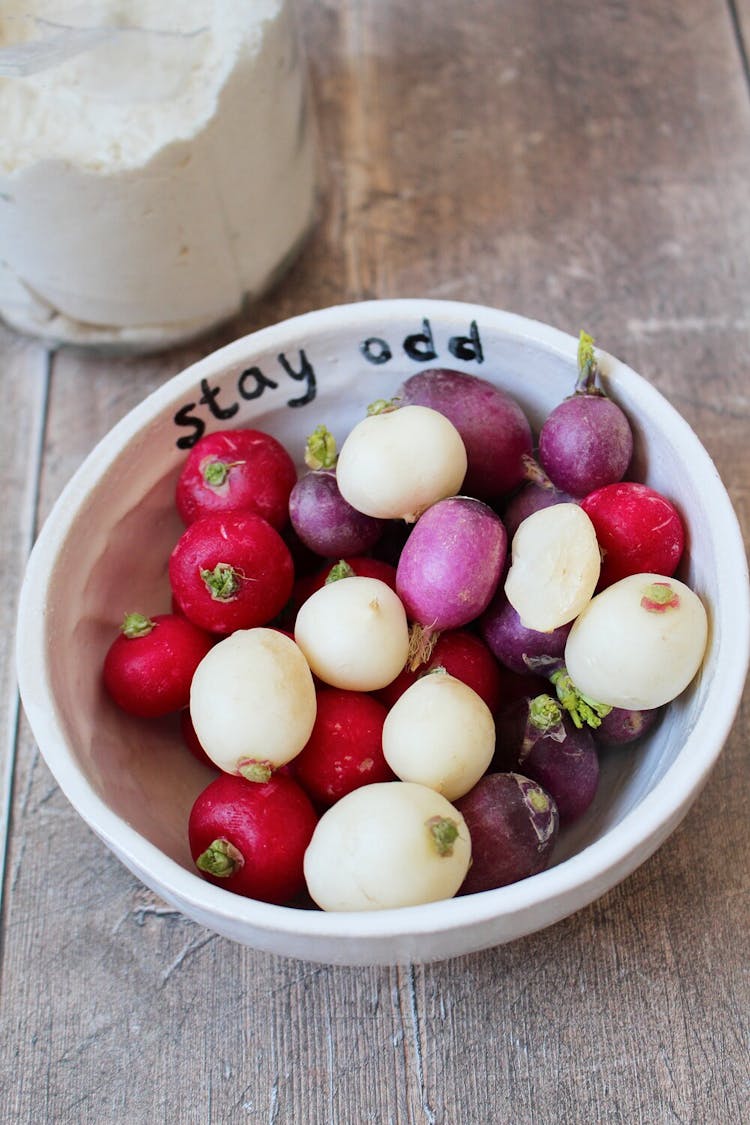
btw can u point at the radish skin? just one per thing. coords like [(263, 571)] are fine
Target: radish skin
[(252, 702), (440, 733), (395, 464), (639, 643), (354, 633), (451, 563), (387, 845)]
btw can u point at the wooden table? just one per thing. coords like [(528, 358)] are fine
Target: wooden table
[(585, 164)]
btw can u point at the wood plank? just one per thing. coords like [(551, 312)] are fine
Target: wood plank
[(587, 166), (25, 368)]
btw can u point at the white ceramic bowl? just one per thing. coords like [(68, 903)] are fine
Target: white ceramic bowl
[(104, 548)]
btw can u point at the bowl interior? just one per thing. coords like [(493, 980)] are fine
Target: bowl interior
[(105, 548)]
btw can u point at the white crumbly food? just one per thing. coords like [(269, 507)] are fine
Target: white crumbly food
[(152, 182)]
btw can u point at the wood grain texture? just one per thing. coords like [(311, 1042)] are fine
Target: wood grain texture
[(584, 164)]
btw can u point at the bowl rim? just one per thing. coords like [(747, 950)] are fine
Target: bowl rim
[(585, 875)]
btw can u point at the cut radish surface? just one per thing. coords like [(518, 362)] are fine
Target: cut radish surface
[(555, 567)]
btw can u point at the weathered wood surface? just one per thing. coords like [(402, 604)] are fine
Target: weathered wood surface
[(585, 164)]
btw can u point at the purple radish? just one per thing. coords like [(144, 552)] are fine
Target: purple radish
[(513, 824), (325, 522), (620, 726), (586, 441), (494, 428), (559, 756), (451, 564), (517, 647), (538, 492), (322, 519)]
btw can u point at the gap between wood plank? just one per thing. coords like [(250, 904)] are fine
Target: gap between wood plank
[(739, 37)]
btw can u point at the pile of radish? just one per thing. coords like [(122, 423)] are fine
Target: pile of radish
[(405, 664)]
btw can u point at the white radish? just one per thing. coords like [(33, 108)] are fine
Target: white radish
[(253, 702), (354, 633), (555, 565), (387, 845), (639, 643), (396, 463), (439, 733)]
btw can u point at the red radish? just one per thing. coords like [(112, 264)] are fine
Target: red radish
[(492, 425), (231, 572), (638, 530), (345, 748), (149, 666), (461, 654), (451, 563), (236, 470), (586, 441), (250, 837)]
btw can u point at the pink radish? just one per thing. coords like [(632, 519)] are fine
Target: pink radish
[(451, 563)]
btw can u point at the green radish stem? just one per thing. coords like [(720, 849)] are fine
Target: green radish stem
[(538, 801), (545, 713), (216, 472), (339, 570), (658, 597), (382, 406), (444, 832), (588, 367), (255, 771), (136, 625), (222, 582), (580, 707), (220, 858), (320, 450)]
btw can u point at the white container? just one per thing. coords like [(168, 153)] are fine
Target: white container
[(134, 782), (157, 178)]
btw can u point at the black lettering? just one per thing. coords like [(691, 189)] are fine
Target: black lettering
[(467, 347), (421, 345), (185, 417), (382, 353), (305, 373), (209, 396), (258, 383)]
